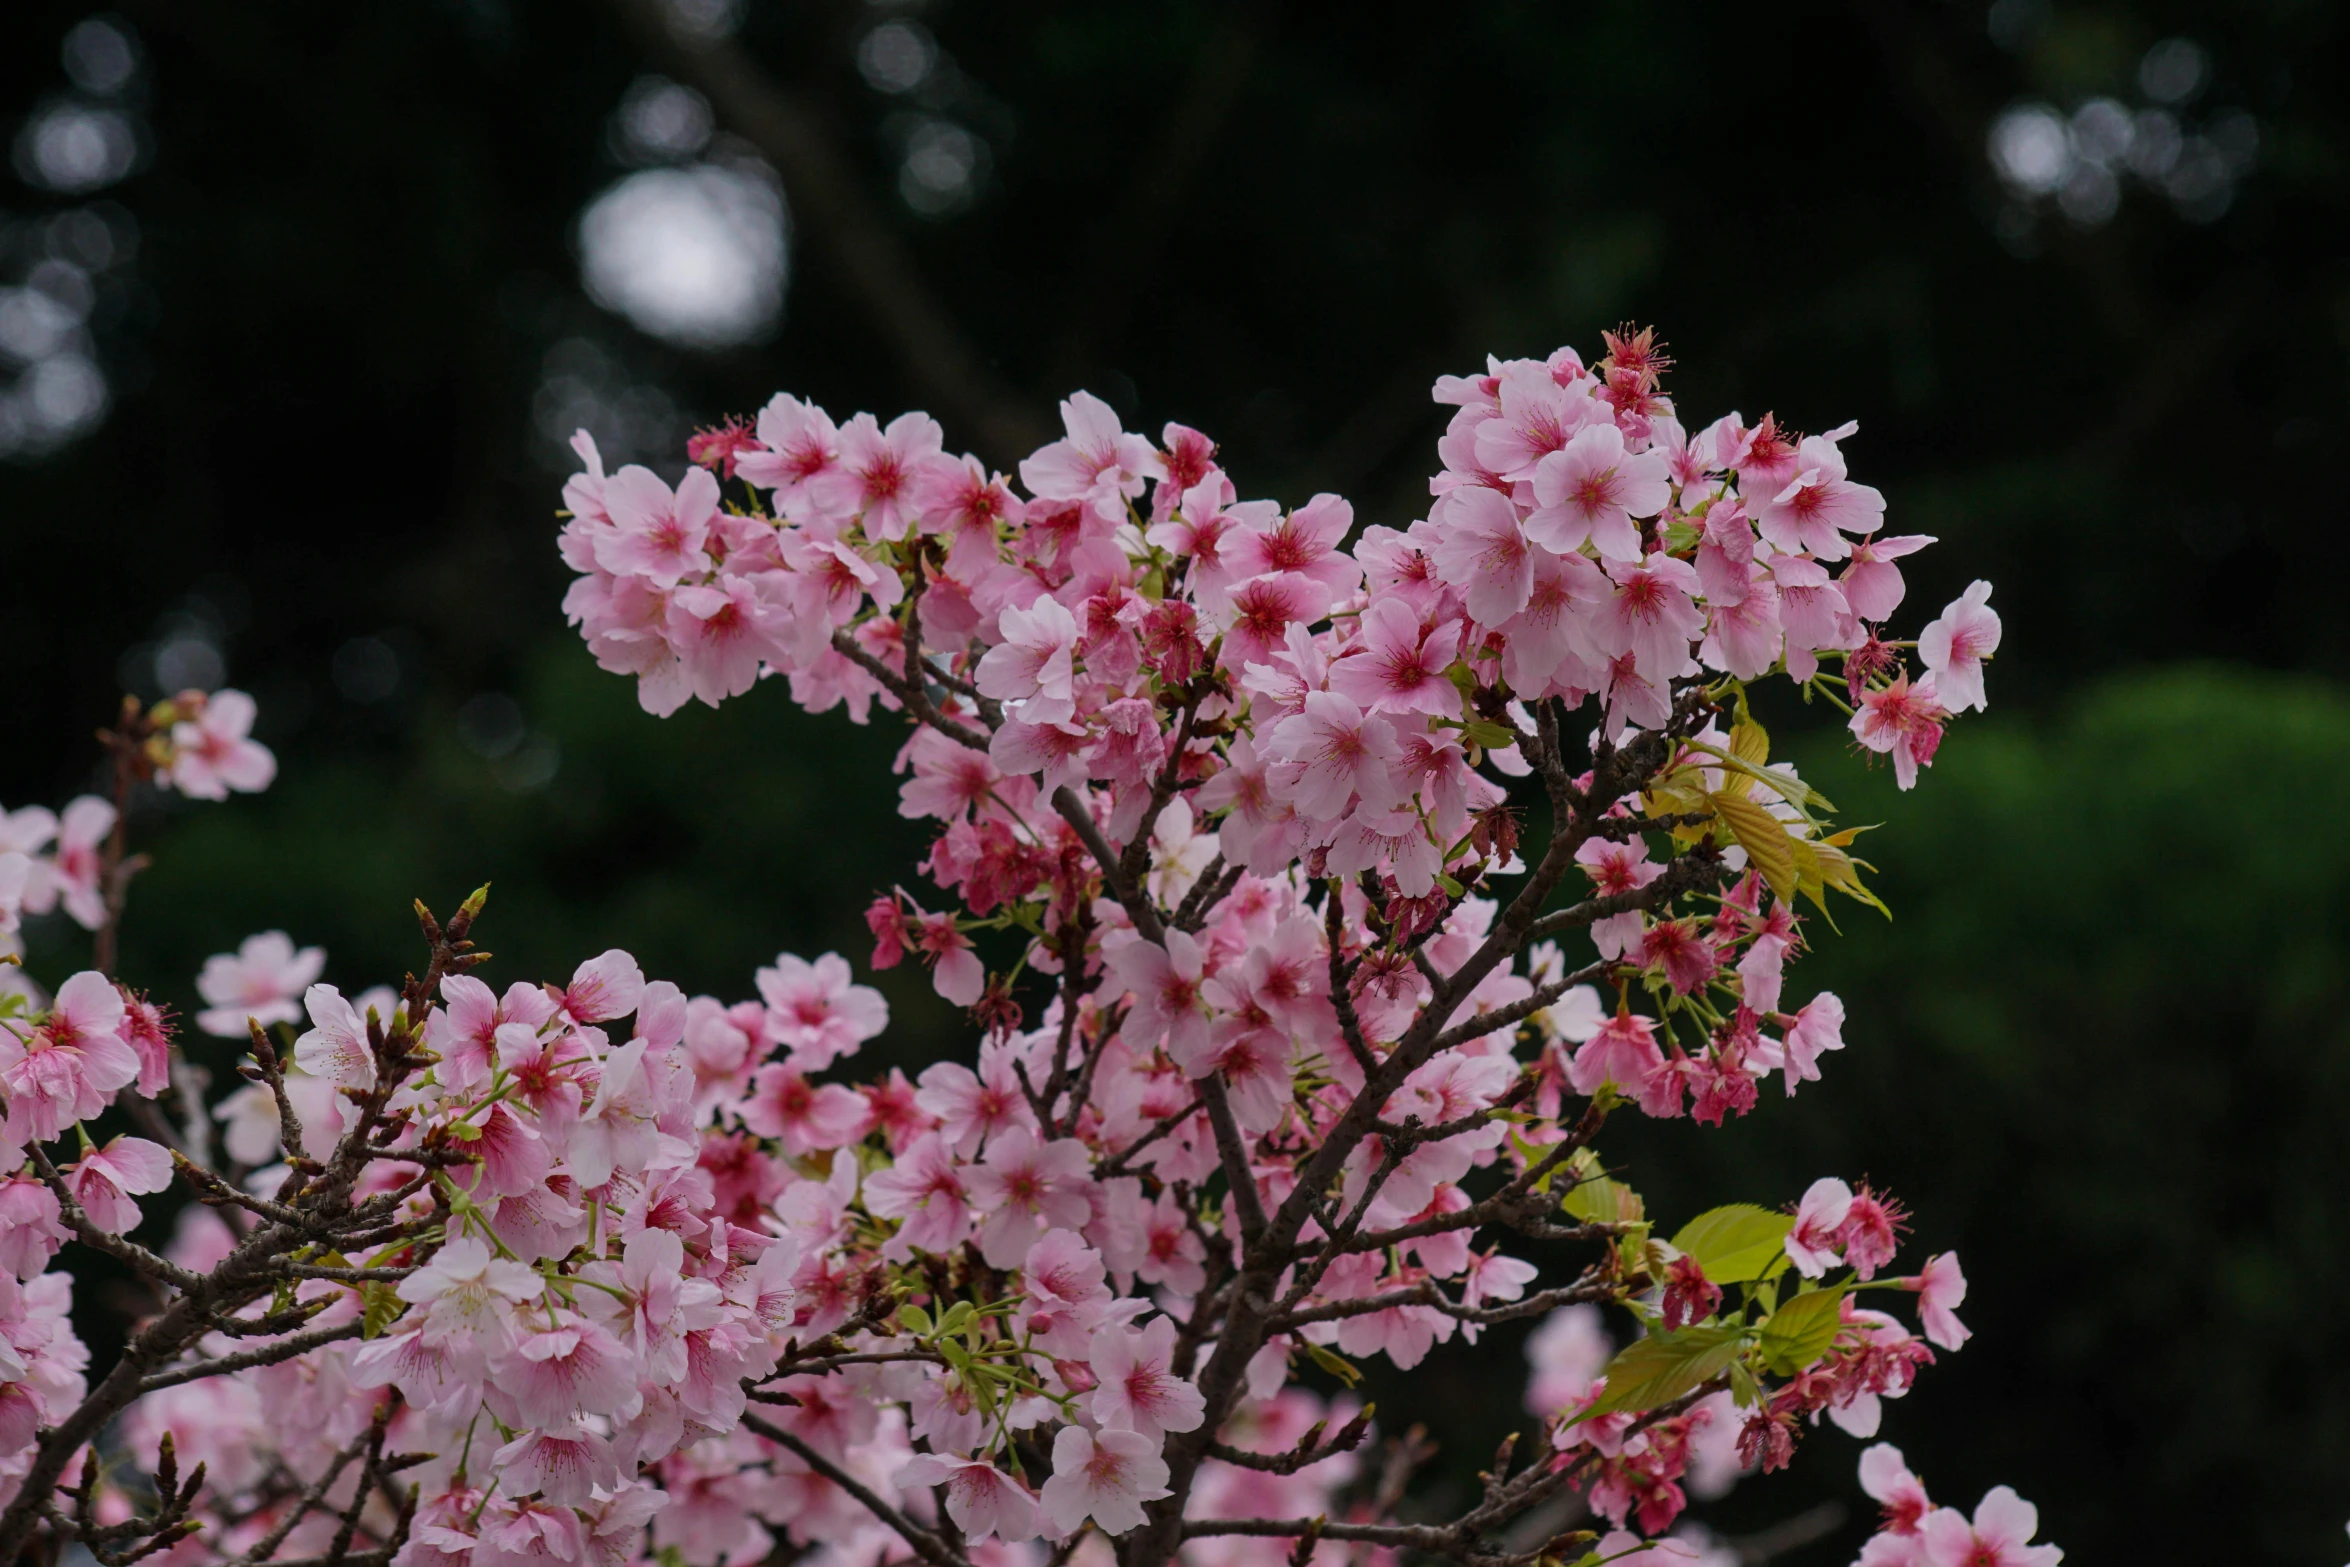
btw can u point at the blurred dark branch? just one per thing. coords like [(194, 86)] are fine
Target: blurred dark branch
[(940, 363), (1127, 248)]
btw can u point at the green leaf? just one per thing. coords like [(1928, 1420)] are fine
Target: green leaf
[(1597, 1200), (915, 1320), (958, 1317), (1763, 837), (380, 1304), (1660, 1368), (1800, 1331), (1490, 735), (1339, 1367), (1735, 1244)]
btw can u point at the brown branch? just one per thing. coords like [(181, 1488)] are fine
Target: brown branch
[(927, 1545)]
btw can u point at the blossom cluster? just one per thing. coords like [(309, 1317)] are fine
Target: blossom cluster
[(201, 745), (1292, 1041)]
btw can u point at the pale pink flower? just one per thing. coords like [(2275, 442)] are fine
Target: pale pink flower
[(955, 970), (66, 1069), (1025, 1188), (554, 1375), (1395, 667), (981, 1499), (1888, 1482), (2000, 1534), (335, 1046), (723, 631), (471, 1293), (1263, 611), (215, 753), (1818, 505), (1591, 489), (260, 980), (1139, 1390), (972, 1107), (1303, 543), (879, 472), (1815, 1030), (108, 1177), (1651, 615), (1871, 582), (802, 1115), (606, 986), (657, 533), (1035, 663), (1941, 1290), (1105, 1476), (1623, 1053), (70, 874), (924, 1190), (31, 1225), (797, 444), (1098, 462), (564, 1463), (1480, 548), (1904, 721), (463, 1031), (1813, 1244), (1165, 982), (817, 1010), (1066, 1298), (1338, 753), (1954, 646)]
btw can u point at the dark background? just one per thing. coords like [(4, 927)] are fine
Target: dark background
[(2101, 1050)]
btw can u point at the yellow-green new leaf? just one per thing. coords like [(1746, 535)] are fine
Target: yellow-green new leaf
[(1660, 1368), (1763, 837), (1735, 1244), (1800, 1331)]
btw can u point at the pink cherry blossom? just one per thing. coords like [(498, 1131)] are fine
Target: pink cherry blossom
[(213, 753), (1812, 1245), (261, 980), (1941, 1289), (1104, 1476), (1098, 463), (1591, 489), (1024, 1188), (1397, 667), (879, 473), (817, 1011), (797, 444), (657, 533), (983, 1501), (1034, 665), (335, 1046), (108, 1177), (68, 1067), (1139, 1390), (1905, 722), (70, 874), (1338, 753), (1954, 645), (1482, 551), (1999, 1535), (1818, 504), (1165, 983)]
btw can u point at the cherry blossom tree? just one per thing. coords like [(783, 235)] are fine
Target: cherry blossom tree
[(1318, 894)]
